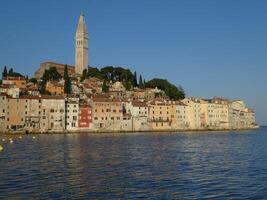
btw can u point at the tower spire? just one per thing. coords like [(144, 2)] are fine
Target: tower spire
[(81, 46)]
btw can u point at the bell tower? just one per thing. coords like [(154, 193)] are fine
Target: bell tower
[(81, 46)]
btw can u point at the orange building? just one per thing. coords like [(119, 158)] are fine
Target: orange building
[(107, 113), (20, 82), (54, 88)]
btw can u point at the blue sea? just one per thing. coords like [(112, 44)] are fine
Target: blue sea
[(195, 165)]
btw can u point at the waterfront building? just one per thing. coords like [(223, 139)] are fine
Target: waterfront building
[(138, 110), (55, 88), (53, 114), (160, 115), (19, 82), (33, 109), (3, 110), (81, 46), (107, 113), (181, 116), (72, 114), (85, 117), (195, 118), (15, 113), (240, 116), (217, 113)]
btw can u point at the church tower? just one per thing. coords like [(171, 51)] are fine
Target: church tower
[(81, 46)]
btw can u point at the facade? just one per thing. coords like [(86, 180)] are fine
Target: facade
[(107, 114), (85, 117), (138, 110), (19, 82), (3, 111), (161, 115), (217, 113), (33, 109), (15, 114), (59, 67), (72, 114), (53, 114), (54, 88), (81, 46), (181, 116), (10, 90), (240, 116)]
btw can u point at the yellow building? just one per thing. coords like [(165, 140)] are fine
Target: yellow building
[(54, 88), (161, 115)]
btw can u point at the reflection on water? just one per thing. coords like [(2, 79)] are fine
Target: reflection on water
[(142, 165)]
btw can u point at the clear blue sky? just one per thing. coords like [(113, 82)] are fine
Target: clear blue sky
[(210, 47)]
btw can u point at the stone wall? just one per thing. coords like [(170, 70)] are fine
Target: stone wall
[(60, 68)]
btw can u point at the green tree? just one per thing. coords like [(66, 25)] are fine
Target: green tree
[(33, 80), (170, 90), (105, 87), (141, 81), (128, 85), (4, 74), (11, 72), (84, 75), (94, 72), (51, 74), (67, 82), (135, 80)]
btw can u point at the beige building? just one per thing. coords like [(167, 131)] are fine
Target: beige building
[(81, 46), (161, 115), (10, 90), (15, 114), (19, 82), (53, 114), (33, 109), (72, 114), (107, 114), (3, 111), (181, 119), (240, 116), (55, 88), (195, 116)]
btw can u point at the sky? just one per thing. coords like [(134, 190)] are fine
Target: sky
[(210, 47)]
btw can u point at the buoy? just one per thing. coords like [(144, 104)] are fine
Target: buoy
[(1, 148), (11, 141), (33, 137), (3, 140), (20, 137)]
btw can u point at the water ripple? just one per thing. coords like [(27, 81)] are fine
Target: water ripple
[(136, 166)]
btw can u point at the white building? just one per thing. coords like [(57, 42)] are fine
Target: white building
[(72, 114), (139, 112)]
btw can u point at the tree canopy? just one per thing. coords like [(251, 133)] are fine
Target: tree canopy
[(51, 74), (173, 92)]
